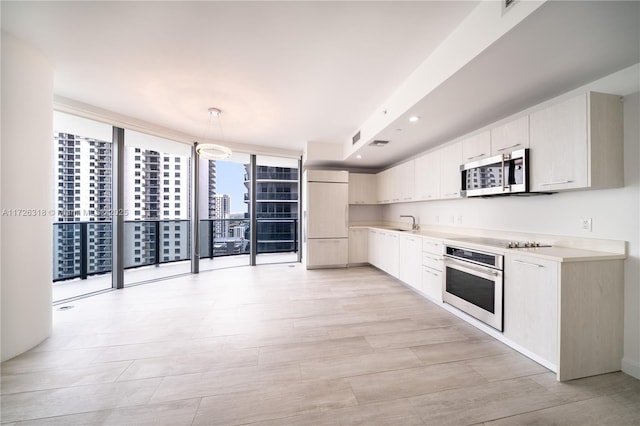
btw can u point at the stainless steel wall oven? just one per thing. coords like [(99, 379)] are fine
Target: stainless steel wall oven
[(473, 283)]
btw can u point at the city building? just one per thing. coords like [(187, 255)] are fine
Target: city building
[(157, 207), (222, 214), (83, 194), (276, 208), (157, 202)]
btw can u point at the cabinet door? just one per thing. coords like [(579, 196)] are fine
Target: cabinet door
[(327, 252), (383, 187), (510, 136), (327, 212), (362, 188), (392, 188), (387, 252), (531, 304), (451, 159), (358, 245), (427, 176), (403, 181), (373, 252), (432, 283), (559, 146), (410, 260), (476, 147)]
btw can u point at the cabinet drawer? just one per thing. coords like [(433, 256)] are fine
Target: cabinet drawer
[(432, 283), (432, 261), (431, 246)]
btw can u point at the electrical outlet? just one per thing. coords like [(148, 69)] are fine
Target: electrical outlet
[(459, 220), (586, 223), (437, 219)]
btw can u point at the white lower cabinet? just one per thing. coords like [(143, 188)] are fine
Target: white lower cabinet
[(374, 242), (410, 261), (327, 252), (432, 268), (531, 305), (432, 283), (384, 251), (390, 253), (568, 314), (358, 245)]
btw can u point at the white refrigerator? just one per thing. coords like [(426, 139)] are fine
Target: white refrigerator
[(326, 219)]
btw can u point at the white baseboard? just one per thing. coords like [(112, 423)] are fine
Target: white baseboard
[(632, 368)]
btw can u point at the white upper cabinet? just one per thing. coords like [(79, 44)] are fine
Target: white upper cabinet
[(450, 161), (559, 146), (404, 180), (396, 185), (427, 176), (476, 147), (362, 188), (577, 143), (510, 136), (384, 193)]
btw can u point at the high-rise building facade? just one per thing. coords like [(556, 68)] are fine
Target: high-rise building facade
[(276, 208), (222, 212), (157, 207), (157, 202), (83, 194)]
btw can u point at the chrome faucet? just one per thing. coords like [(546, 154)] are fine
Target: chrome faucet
[(414, 227)]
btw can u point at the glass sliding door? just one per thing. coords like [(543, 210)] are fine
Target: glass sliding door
[(277, 209), (157, 203), (82, 214), (224, 212)]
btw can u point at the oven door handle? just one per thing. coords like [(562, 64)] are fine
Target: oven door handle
[(471, 268)]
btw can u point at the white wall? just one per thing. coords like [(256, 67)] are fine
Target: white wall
[(615, 214), (27, 183), (365, 214)]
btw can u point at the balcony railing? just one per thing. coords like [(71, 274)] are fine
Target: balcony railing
[(82, 249)]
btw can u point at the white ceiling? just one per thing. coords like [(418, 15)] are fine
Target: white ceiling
[(285, 73), (561, 46), (282, 72)]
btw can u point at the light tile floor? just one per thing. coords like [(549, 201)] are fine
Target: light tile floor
[(279, 345), (68, 289)]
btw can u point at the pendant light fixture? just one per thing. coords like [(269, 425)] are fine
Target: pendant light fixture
[(212, 151)]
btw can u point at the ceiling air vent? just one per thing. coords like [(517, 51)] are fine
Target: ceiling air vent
[(379, 143), (355, 138)]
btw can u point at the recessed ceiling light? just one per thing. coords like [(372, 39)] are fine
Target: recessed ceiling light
[(358, 156), (414, 118)]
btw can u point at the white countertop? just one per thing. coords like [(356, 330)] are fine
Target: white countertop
[(557, 253)]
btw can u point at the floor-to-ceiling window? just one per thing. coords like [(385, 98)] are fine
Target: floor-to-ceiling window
[(157, 202), (83, 207), (225, 222), (155, 177), (277, 209)]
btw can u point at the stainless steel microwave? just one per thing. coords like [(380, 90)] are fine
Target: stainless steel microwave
[(498, 175)]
